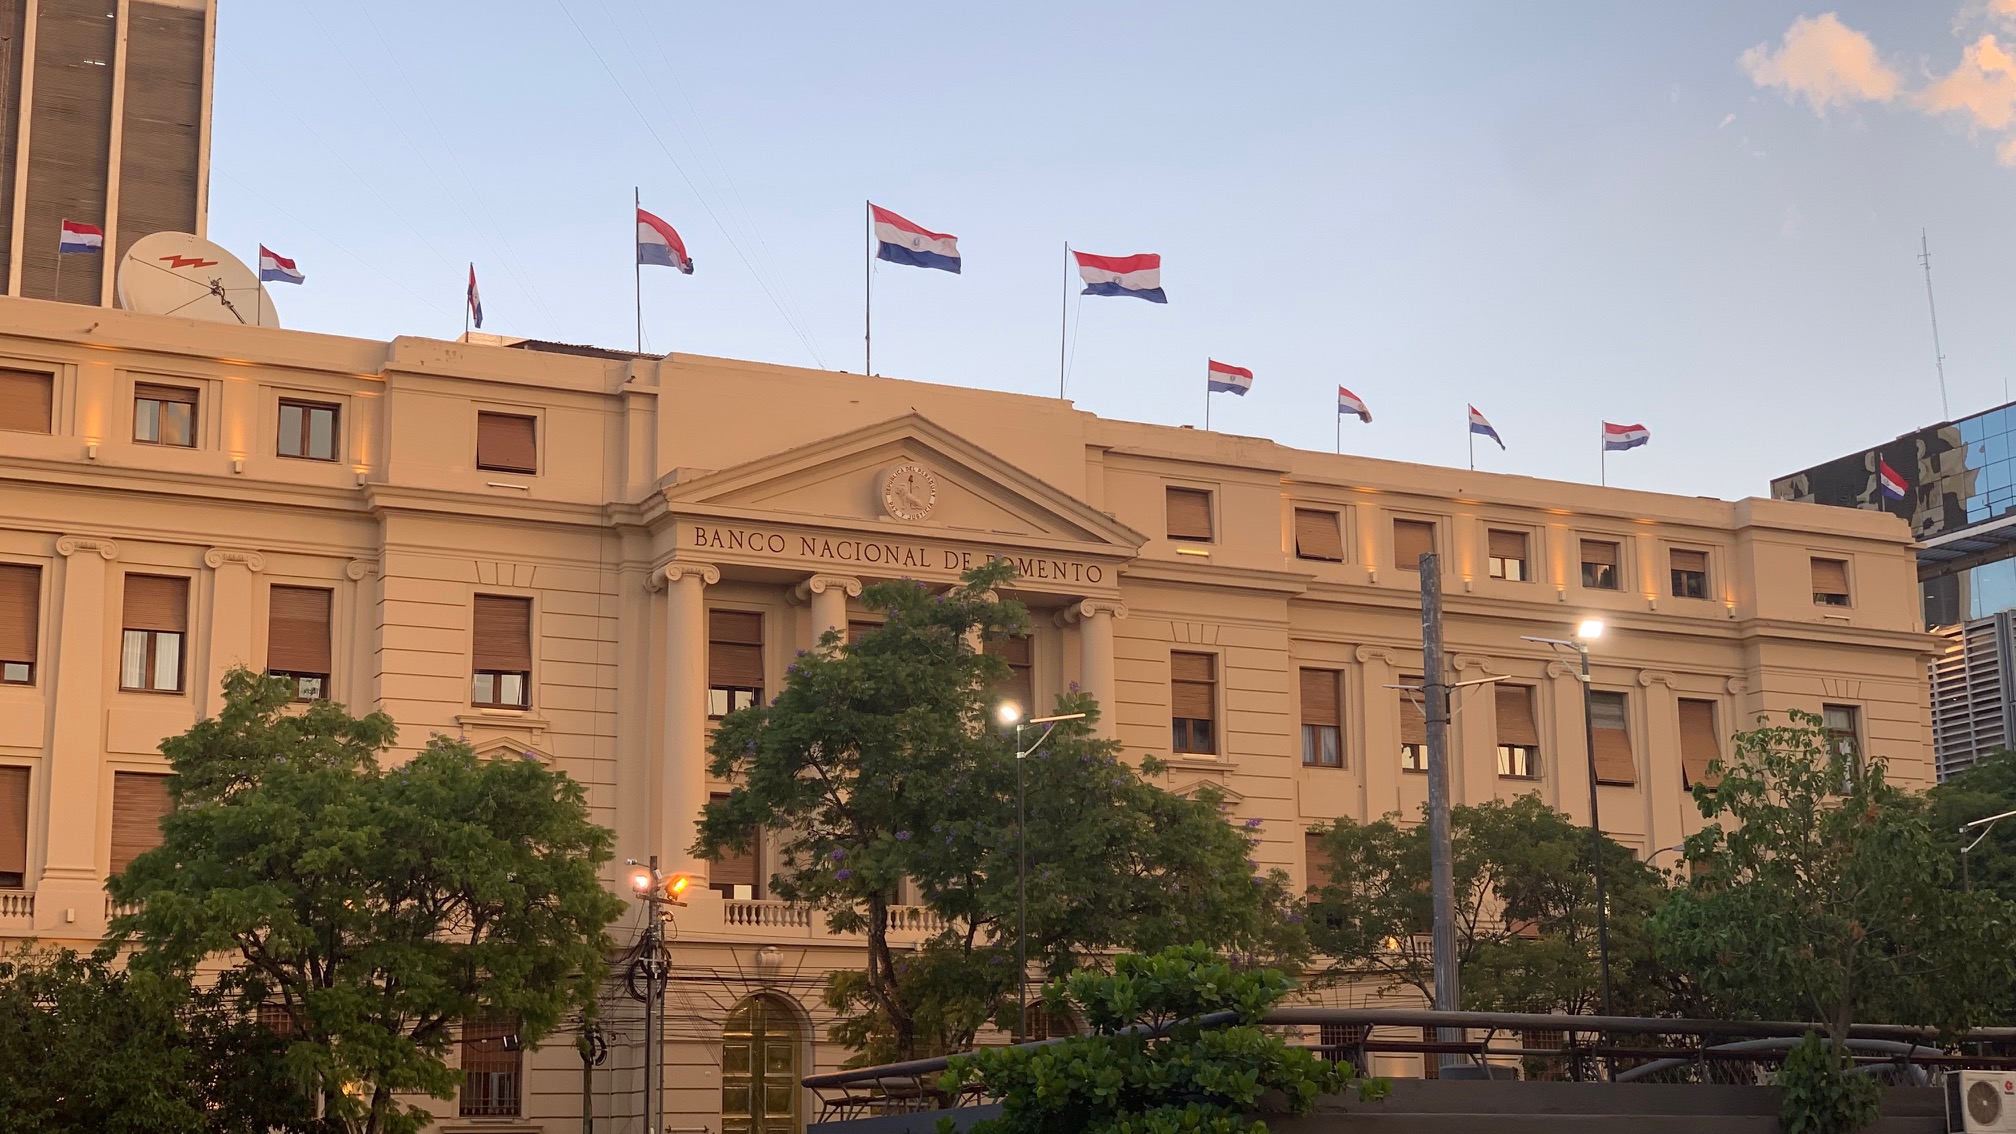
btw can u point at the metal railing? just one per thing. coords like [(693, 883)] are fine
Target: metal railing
[(1503, 1045)]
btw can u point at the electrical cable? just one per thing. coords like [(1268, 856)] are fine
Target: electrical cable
[(331, 242)]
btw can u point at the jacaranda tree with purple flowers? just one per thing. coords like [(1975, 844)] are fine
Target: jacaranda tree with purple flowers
[(882, 773)]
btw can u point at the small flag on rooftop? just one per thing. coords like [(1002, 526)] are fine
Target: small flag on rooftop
[(1479, 425), (80, 237), (1348, 402), (275, 268), (1224, 378), (1617, 438), (1894, 487), (658, 243), (475, 299), (901, 241), (1139, 276)]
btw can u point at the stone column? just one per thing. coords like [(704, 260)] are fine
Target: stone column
[(828, 595), (70, 895), (231, 608), (682, 751), (1655, 718), (1379, 723), (1095, 619)]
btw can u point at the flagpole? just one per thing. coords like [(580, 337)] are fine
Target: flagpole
[(258, 294), (58, 297), (1472, 435), (1602, 458), (637, 268), (465, 303), (1063, 319), (868, 294), (1340, 432), (1207, 407)]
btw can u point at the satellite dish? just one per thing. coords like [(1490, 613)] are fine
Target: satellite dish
[(176, 273)]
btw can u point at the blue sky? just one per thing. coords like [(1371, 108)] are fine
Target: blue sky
[(1560, 213)]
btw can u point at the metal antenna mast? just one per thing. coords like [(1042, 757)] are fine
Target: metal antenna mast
[(1938, 356)]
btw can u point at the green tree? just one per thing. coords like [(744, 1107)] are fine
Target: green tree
[(380, 907), (882, 761), (1822, 892), (90, 1047), (1988, 788), (1525, 910), (1147, 1066)]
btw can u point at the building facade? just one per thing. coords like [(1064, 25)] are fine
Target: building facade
[(582, 556)]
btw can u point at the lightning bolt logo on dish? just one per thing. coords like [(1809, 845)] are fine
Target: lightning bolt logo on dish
[(186, 262)]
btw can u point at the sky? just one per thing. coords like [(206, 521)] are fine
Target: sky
[(1701, 217)]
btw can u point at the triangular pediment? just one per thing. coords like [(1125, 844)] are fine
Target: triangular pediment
[(908, 473)]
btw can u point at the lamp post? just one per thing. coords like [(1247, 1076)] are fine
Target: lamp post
[(1587, 631), (1012, 714), (657, 891), (1987, 825)]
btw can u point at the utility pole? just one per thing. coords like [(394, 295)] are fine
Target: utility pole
[(656, 891), (1435, 693)]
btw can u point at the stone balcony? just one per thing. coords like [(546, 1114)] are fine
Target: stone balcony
[(735, 919)]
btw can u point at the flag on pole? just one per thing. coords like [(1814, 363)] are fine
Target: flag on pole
[(1617, 438), (658, 243), (1479, 425), (1139, 276), (275, 268), (1348, 402), (79, 237), (900, 241), (475, 299), (1221, 378), (1893, 485)]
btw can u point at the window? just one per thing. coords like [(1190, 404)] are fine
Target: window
[(1700, 744), (1412, 539), (1413, 726), (275, 1017), (507, 442), (1317, 869), (1611, 739), (20, 621), (859, 630), (492, 1067), (1189, 514), (1019, 688), (13, 828), (1830, 582), (1599, 565), (1322, 720), (1193, 689), (1844, 731), (139, 800), (1518, 732), (1508, 555), (1342, 1043), (1318, 536), (738, 874), (156, 622), (27, 400), (1690, 573), (307, 430), (501, 652), (734, 661), (297, 639), (164, 415)]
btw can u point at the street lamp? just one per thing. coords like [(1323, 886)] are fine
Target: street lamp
[(1588, 630), (656, 890), (1986, 825), (1012, 714)]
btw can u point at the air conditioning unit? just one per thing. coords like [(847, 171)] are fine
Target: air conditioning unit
[(1981, 1102)]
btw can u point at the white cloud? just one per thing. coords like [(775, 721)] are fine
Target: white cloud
[(1983, 87), (1824, 61), (1726, 120)]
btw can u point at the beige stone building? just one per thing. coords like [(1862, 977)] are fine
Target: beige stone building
[(581, 554)]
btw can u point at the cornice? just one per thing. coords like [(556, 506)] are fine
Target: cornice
[(1215, 576)]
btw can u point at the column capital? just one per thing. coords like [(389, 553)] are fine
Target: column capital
[(1482, 665), (356, 569), (820, 584), (676, 570), (1647, 678), (1089, 608), (72, 544), (1367, 654), (1559, 668), (245, 557)]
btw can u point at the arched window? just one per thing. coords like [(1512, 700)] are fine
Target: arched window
[(759, 1068)]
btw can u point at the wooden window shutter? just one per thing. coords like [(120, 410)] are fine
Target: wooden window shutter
[(1020, 687), (502, 639), (1700, 744), (735, 649), (1319, 697), (738, 869), (139, 800), (1318, 536), (1600, 552), (13, 820), (1614, 764), (182, 395), (1191, 681), (1515, 716), (1412, 539), (1189, 514), (1684, 560), (1413, 726), (20, 611), (1507, 545), (1317, 868), (156, 602), (859, 630), (27, 401), (507, 442), (297, 629), (1830, 576)]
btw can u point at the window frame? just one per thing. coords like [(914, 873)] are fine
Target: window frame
[(1616, 569), (1852, 734), (1434, 526), (736, 697), (1335, 516), (1674, 574), (1210, 496), (142, 392), (1827, 598), (48, 426), (491, 1102), (496, 677), (538, 429), (151, 659), (1184, 732), (1494, 565), (1513, 756), (30, 666), (307, 407), (299, 679), (1414, 756)]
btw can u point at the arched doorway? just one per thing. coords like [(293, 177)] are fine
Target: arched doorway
[(759, 1068)]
